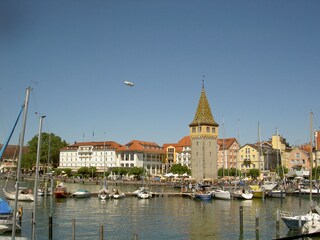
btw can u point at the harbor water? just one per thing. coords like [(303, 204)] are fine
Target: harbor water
[(155, 218)]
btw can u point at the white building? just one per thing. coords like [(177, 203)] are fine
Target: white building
[(148, 155), (101, 155)]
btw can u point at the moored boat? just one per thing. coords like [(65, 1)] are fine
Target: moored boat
[(104, 193), (6, 217), (257, 191), (203, 196), (292, 221), (221, 194), (144, 194), (60, 191), (24, 194), (242, 194), (117, 194), (81, 193)]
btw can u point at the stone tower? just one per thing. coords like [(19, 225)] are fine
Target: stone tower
[(204, 135)]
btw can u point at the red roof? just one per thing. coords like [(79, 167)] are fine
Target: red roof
[(106, 144), (137, 145), (227, 142)]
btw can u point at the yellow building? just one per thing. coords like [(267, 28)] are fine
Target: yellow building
[(249, 158)]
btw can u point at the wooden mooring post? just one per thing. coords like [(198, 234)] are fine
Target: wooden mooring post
[(135, 237), (257, 224), (101, 232), (241, 219), (50, 228), (277, 224), (73, 229)]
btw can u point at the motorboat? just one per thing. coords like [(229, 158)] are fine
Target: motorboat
[(276, 193), (6, 217), (202, 195), (81, 193), (272, 190), (221, 194), (60, 191)]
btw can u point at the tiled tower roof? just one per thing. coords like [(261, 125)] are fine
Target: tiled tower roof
[(203, 115)]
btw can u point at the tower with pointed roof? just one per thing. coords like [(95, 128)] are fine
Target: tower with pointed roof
[(204, 136)]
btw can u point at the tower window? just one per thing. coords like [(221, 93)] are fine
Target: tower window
[(193, 129), (208, 129), (213, 130)]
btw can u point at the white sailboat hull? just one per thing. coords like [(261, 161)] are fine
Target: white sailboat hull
[(21, 196)]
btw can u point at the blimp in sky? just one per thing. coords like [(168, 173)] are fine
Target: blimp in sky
[(130, 84)]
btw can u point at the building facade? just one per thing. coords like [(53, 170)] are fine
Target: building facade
[(227, 153), (148, 155), (298, 160), (101, 155)]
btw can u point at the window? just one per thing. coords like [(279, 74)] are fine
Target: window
[(208, 129), (298, 155), (213, 130), (193, 129)]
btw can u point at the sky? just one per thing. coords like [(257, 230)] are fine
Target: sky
[(260, 62)]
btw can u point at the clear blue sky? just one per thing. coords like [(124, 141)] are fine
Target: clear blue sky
[(261, 60)]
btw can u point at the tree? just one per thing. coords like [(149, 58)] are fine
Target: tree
[(48, 141), (137, 172), (179, 169), (228, 172), (254, 173)]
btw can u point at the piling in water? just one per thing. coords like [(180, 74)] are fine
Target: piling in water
[(241, 219), (101, 232), (73, 229), (50, 228)]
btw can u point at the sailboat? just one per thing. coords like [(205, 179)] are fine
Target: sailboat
[(6, 217), (104, 193), (295, 221), (24, 194)]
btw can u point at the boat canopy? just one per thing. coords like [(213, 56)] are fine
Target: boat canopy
[(4, 207)]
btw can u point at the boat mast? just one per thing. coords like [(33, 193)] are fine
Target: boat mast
[(259, 139), (311, 157), (19, 161), (36, 179)]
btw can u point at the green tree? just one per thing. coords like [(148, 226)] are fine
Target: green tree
[(120, 170), (228, 172), (49, 141), (137, 172), (254, 173), (179, 169)]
